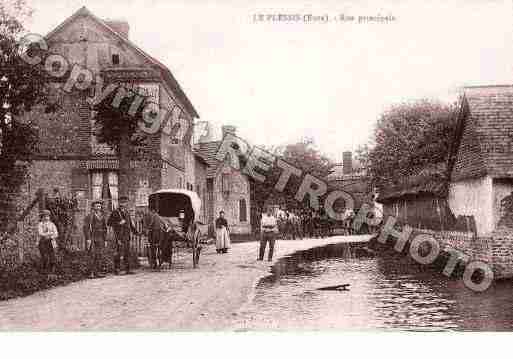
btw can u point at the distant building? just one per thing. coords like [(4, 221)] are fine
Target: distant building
[(349, 176), (227, 188)]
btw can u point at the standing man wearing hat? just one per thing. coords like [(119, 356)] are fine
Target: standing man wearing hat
[(123, 226), (95, 233), (156, 235)]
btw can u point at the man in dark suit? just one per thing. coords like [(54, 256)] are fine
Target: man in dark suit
[(95, 233), (123, 226)]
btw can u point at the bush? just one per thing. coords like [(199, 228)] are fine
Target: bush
[(26, 278)]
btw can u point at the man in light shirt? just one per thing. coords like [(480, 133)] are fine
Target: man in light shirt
[(268, 233), (47, 232)]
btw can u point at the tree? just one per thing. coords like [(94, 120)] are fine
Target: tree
[(408, 136), (22, 86), (302, 155), (118, 127)]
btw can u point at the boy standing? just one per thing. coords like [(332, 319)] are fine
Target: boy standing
[(48, 234)]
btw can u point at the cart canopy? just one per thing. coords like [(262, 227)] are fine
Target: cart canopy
[(169, 203)]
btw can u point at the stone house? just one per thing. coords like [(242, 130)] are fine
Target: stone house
[(227, 188), (71, 159)]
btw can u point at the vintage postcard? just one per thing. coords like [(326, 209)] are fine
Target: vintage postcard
[(256, 166)]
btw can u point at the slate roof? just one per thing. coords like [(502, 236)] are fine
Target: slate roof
[(484, 136), (208, 150)]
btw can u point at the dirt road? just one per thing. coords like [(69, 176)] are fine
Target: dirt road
[(206, 298)]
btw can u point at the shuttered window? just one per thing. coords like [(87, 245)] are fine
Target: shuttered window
[(104, 187)]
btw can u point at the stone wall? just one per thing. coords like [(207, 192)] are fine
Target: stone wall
[(46, 175), (495, 249)]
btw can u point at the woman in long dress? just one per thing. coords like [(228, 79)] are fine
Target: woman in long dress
[(222, 234)]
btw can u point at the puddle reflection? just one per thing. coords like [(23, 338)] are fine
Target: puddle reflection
[(385, 293)]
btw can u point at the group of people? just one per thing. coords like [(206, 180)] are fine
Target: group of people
[(95, 233), (317, 224), (286, 224), (305, 223)]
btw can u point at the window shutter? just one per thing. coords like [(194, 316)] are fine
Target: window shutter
[(113, 187), (242, 210), (96, 185)]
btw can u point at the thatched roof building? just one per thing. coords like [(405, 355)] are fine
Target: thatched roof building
[(420, 200), (426, 181)]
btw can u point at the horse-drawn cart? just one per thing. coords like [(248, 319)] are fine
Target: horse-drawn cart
[(179, 211)]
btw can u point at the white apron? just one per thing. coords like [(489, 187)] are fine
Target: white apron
[(222, 238)]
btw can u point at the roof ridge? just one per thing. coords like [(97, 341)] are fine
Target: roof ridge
[(84, 11)]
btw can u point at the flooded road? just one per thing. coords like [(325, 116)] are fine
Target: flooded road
[(385, 292)]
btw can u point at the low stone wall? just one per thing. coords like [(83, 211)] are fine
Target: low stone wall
[(501, 248), (495, 249)]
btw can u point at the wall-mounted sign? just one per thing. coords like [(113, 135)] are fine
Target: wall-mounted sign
[(145, 89)]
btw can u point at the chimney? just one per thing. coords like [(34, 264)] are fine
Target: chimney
[(120, 26), (229, 129), (347, 162)]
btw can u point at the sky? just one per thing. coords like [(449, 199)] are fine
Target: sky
[(278, 82)]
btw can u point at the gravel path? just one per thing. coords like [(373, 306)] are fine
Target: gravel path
[(182, 298)]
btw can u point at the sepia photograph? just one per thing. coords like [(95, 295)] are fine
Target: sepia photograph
[(254, 167)]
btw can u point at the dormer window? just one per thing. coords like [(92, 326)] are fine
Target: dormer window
[(115, 59)]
